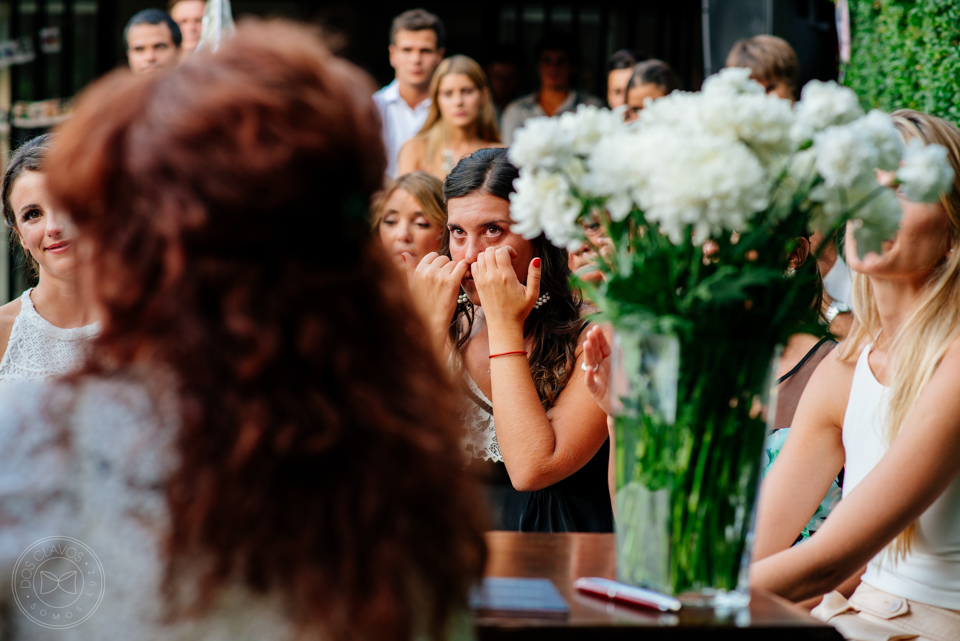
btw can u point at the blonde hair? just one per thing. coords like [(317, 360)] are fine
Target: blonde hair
[(425, 188), (767, 58), (435, 131), (923, 338)]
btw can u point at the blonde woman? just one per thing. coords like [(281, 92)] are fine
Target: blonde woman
[(887, 409), (410, 216), (461, 120)]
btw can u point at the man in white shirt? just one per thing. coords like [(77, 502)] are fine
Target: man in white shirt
[(417, 40)]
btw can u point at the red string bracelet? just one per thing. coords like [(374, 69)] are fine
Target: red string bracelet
[(508, 353)]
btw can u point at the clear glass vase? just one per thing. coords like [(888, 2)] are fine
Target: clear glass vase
[(690, 428)]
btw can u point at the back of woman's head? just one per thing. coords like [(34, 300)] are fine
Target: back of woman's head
[(556, 327), (225, 209)]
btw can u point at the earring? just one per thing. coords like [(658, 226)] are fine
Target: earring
[(542, 300), (462, 299)]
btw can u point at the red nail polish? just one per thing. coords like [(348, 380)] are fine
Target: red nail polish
[(536, 262)]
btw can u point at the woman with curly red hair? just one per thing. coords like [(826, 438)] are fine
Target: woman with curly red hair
[(261, 444)]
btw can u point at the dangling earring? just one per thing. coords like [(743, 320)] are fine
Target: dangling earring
[(542, 300), (462, 299)]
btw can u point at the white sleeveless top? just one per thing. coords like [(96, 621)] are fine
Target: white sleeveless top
[(37, 349), (930, 573)]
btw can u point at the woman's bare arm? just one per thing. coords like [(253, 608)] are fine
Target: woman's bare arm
[(539, 448), (809, 461), (894, 494)]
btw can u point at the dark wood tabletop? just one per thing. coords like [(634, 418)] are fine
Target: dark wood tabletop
[(563, 558)]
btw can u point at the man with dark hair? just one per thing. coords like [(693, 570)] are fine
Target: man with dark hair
[(417, 40), (618, 75), (556, 62), (188, 14), (152, 40)]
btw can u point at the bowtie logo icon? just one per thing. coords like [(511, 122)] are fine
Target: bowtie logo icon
[(66, 582)]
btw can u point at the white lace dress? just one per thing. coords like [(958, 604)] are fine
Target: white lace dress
[(88, 462), (37, 349)]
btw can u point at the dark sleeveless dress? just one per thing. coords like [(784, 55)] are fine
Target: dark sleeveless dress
[(578, 503)]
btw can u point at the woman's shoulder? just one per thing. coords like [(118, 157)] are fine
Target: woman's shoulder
[(414, 149)]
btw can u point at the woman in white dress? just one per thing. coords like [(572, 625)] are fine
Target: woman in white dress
[(887, 409), (46, 330), (260, 445)]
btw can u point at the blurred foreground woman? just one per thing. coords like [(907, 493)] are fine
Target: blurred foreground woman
[(261, 446)]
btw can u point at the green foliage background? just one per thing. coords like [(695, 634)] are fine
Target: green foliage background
[(906, 53)]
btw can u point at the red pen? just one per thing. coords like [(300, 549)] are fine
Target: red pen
[(623, 593)]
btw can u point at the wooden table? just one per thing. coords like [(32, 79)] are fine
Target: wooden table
[(562, 558)]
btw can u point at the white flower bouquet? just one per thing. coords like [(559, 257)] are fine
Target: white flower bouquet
[(704, 199)]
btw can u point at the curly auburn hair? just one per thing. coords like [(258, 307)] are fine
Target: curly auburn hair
[(318, 450)]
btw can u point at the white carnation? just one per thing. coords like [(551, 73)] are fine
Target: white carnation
[(732, 81), (538, 143), (926, 172), (823, 104), (842, 156), (878, 128), (711, 183), (543, 203)]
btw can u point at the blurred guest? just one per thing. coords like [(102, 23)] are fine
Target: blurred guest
[(503, 74), (556, 63), (417, 41), (410, 216), (887, 410), (619, 69), (582, 262), (188, 14), (461, 120), (772, 62), (261, 445), (502, 306), (153, 41), (45, 332), (650, 79)]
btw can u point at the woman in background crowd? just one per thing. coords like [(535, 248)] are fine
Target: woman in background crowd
[(887, 409), (261, 445), (461, 120), (502, 305), (650, 79), (410, 216), (44, 332)]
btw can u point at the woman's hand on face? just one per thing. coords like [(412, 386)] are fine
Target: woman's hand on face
[(435, 285), (503, 297), (596, 366)]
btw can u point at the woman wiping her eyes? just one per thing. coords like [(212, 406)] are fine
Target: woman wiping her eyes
[(44, 332), (503, 307)]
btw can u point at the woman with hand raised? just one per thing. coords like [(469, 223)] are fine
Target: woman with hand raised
[(502, 306)]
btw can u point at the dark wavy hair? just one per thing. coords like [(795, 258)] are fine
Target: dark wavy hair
[(318, 449), (556, 326)]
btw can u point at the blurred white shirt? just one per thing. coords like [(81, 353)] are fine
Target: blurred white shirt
[(400, 121)]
